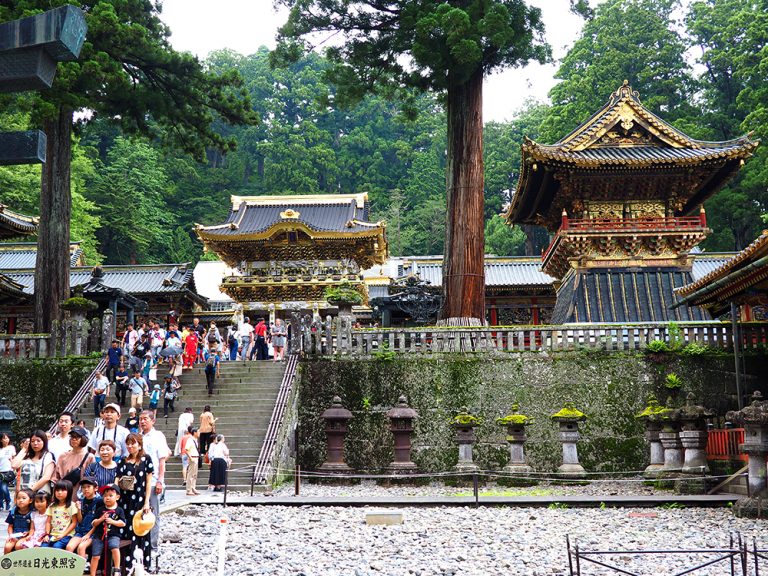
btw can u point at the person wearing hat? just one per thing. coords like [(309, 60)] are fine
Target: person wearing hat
[(86, 512), (132, 421), (71, 465), (109, 430), (138, 386), (107, 528)]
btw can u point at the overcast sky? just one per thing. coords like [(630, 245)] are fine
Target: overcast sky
[(199, 26)]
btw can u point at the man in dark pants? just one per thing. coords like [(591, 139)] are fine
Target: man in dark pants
[(262, 350), (113, 356)]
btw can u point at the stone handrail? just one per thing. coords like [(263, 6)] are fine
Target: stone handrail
[(15, 347), (338, 337)]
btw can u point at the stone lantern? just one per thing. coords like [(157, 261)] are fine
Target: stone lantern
[(401, 419), (515, 424), (7, 418), (568, 418), (693, 436), (336, 426), (754, 419), (653, 416), (670, 441), (464, 424)]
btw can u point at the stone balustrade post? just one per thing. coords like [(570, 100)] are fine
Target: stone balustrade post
[(464, 425)]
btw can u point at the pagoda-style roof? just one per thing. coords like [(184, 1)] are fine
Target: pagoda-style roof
[(11, 292), (742, 279), (14, 224), (23, 255), (273, 228), (623, 152), (623, 295)]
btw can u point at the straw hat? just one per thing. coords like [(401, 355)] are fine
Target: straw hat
[(142, 523)]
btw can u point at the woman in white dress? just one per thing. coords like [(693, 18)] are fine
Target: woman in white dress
[(186, 419)]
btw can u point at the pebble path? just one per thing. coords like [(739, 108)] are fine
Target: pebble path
[(466, 541)]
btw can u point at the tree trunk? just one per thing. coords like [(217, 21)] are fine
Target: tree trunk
[(463, 263), (52, 269)]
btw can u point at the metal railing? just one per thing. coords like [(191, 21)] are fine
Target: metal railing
[(734, 556), (338, 337), (264, 463), (83, 392)]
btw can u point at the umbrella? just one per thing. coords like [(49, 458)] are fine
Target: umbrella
[(170, 351)]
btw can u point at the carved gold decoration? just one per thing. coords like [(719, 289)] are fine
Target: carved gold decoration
[(289, 214)]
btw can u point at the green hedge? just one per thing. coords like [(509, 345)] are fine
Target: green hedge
[(37, 390)]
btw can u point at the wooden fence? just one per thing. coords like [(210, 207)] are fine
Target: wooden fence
[(336, 336), (72, 337)]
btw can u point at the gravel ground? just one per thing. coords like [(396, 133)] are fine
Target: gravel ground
[(369, 488), (314, 541)]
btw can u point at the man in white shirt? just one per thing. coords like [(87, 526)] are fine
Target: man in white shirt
[(245, 334), (156, 447), (99, 392), (60, 443), (130, 339), (110, 430)]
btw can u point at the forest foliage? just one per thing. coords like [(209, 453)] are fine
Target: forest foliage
[(135, 200)]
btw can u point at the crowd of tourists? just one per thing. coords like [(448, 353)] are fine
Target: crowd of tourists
[(87, 492)]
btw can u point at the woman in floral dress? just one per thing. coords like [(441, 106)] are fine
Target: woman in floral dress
[(139, 466)]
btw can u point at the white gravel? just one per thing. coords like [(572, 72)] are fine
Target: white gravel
[(315, 541)]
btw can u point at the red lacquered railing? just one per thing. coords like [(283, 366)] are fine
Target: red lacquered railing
[(724, 444)]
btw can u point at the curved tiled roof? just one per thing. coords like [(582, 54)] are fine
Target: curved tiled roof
[(256, 215), (498, 272), (15, 224), (23, 255), (756, 249)]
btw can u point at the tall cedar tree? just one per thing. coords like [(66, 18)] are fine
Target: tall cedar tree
[(129, 74), (397, 47)]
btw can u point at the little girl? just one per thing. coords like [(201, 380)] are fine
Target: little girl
[(19, 521), (39, 521), (62, 517)]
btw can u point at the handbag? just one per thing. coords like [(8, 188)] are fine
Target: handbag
[(126, 482), (8, 477), (75, 474)]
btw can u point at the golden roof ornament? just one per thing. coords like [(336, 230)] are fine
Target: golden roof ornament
[(289, 214)]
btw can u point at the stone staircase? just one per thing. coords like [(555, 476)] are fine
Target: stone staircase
[(243, 399)]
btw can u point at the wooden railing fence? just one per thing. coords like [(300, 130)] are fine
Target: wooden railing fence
[(335, 336)]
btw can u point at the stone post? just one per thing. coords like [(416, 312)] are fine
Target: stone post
[(754, 419), (652, 416), (568, 419), (673, 448), (336, 426), (515, 424), (401, 419), (693, 436), (464, 425)]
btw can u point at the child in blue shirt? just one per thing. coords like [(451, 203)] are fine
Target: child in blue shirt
[(81, 541), (19, 520), (154, 399)]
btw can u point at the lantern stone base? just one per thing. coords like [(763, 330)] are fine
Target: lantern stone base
[(653, 471), (751, 507), (516, 475), (337, 474), (571, 471)]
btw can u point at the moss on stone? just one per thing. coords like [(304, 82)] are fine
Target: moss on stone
[(569, 412)]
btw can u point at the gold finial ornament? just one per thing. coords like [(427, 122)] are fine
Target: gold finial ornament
[(289, 214)]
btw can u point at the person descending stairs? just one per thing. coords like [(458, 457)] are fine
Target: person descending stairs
[(243, 398)]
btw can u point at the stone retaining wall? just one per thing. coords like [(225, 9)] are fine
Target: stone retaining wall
[(610, 387)]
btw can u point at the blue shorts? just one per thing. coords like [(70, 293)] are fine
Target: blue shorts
[(97, 545), (81, 532), (60, 544)]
